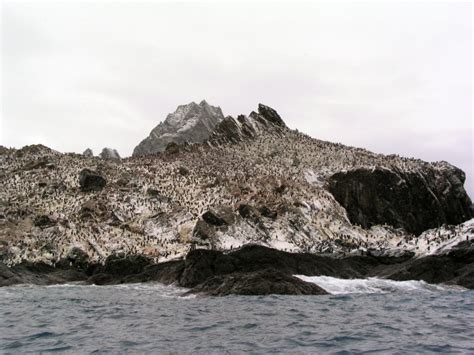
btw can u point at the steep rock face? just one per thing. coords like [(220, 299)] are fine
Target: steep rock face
[(190, 123), (413, 200), (232, 130), (109, 153)]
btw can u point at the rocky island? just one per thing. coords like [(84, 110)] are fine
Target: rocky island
[(223, 205)]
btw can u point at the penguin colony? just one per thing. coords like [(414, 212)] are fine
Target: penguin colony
[(152, 205)]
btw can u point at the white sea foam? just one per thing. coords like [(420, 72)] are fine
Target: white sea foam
[(336, 286), (161, 290), (155, 288)]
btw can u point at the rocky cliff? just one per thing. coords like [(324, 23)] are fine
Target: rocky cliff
[(415, 201), (252, 180), (191, 123)]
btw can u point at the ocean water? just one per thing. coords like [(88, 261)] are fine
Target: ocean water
[(373, 315)]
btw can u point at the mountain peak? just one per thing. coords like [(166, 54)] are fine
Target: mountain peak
[(190, 123)]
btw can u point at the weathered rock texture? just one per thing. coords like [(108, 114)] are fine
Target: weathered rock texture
[(231, 130), (190, 123), (415, 201), (109, 153)]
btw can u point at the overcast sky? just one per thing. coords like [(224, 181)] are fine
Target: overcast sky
[(391, 77)]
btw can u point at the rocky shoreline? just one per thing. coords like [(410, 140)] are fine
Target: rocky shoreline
[(250, 270)]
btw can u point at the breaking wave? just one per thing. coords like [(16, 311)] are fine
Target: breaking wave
[(338, 286)]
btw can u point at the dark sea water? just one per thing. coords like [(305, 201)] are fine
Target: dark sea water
[(364, 316)]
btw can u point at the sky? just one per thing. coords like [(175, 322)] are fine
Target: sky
[(392, 77)]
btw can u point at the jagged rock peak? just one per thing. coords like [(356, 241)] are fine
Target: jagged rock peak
[(271, 115), (88, 153), (232, 130), (109, 153), (191, 123)]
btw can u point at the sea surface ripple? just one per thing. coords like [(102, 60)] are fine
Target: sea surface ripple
[(152, 318)]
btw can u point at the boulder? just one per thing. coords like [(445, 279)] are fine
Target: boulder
[(88, 153), (263, 282), (110, 154), (44, 221), (219, 216), (90, 180), (213, 218), (125, 265), (153, 192), (183, 171), (266, 212), (415, 201), (270, 115)]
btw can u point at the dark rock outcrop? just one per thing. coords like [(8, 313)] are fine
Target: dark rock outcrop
[(183, 171), (39, 274), (455, 267), (90, 180), (267, 212), (190, 123), (270, 115), (249, 270), (232, 130), (119, 265), (201, 264), (78, 258), (110, 154), (88, 153), (216, 273), (415, 201), (44, 221), (263, 282), (219, 216)]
